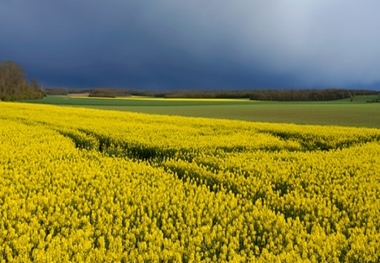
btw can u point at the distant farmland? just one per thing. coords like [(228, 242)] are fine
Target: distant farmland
[(341, 112)]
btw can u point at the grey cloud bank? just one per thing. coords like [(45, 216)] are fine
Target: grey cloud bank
[(195, 44)]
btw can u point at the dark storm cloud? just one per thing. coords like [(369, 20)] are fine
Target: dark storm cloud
[(194, 44)]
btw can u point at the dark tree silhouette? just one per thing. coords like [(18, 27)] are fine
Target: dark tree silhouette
[(14, 84)]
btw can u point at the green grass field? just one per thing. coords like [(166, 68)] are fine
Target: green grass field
[(341, 112)]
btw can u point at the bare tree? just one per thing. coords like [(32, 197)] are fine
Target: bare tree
[(14, 84)]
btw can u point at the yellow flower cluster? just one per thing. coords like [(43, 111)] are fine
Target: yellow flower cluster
[(81, 185)]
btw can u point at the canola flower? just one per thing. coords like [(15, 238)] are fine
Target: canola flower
[(80, 185)]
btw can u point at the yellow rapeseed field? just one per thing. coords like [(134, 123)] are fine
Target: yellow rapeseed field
[(81, 185)]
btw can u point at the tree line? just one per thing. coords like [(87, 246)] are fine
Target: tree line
[(253, 94), (271, 95), (14, 84), (99, 92), (308, 95)]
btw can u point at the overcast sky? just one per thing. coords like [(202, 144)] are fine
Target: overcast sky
[(168, 44)]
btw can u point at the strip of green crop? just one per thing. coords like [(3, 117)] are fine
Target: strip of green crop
[(342, 112)]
